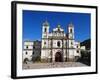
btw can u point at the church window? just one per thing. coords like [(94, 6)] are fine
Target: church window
[(44, 43), (27, 47), (33, 53), (33, 47), (58, 30), (26, 53), (77, 51), (71, 43), (70, 30), (58, 43), (45, 29)]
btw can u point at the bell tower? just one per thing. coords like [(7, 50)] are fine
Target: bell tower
[(45, 29), (71, 31), (71, 48), (45, 42)]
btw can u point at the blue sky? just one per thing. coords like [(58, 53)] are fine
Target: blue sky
[(33, 20)]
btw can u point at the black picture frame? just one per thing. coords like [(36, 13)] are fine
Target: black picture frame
[(14, 38)]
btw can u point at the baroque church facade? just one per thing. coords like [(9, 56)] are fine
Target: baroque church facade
[(58, 46)]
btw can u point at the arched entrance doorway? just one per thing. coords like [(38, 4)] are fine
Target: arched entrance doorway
[(58, 57)]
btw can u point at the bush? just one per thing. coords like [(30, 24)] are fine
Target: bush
[(43, 61), (38, 58), (26, 60)]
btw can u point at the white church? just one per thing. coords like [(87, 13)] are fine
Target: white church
[(55, 46), (58, 46)]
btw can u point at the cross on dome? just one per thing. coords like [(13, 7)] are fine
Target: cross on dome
[(59, 25)]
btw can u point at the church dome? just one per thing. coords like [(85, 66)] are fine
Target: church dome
[(58, 29), (71, 24), (59, 26), (46, 23)]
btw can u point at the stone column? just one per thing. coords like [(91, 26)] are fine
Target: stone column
[(53, 57), (62, 51)]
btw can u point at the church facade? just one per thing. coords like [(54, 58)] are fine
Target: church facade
[(58, 46)]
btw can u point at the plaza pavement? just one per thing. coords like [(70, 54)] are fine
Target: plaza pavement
[(31, 65)]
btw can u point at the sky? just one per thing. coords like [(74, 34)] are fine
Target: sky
[(33, 20)]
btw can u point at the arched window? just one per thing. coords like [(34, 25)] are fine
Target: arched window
[(33, 53), (26, 53), (44, 43), (27, 47), (71, 43), (70, 30), (58, 30), (45, 29), (77, 51), (33, 47), (58, 43)]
